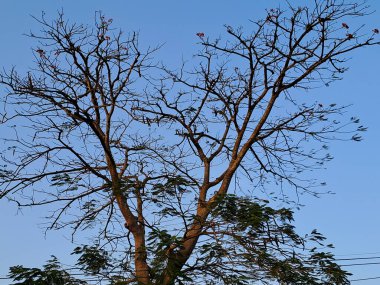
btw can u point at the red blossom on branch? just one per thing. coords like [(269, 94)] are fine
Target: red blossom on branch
[(344, 25), (201, 35), (41, 52), (375, 31)]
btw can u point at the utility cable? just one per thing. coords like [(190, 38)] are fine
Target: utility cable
[(364, 279), (358, 264), (356, 258), (355, 254)]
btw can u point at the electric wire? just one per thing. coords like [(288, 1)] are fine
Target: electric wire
[(364, 279), (359, 264), (357, 258), (96, 280), (338, 259), (355, 254)]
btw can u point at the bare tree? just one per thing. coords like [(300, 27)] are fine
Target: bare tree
[(168, 164)]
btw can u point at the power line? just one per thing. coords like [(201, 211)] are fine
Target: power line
[(353, 254), (357, 258), (82, 279), (358, 264), (340, 259), (363, 279), (95, 280)]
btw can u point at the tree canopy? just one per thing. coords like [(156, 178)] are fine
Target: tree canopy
[(185, 175)]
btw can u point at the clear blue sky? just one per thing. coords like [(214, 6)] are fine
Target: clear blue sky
[(350, 219)]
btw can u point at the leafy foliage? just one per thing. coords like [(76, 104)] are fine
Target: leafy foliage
[(267, 245), (92, 260), (51, 274)]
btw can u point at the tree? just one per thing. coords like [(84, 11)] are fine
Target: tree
[(167, 165)]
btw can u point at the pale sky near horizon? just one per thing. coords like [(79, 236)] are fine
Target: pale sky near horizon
[(349, 219)]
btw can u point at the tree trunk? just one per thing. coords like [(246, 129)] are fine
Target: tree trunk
[(141, 266)]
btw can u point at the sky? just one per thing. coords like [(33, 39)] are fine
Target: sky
[(349, 218)]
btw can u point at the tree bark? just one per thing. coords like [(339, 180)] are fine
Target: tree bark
[(141, 266)]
